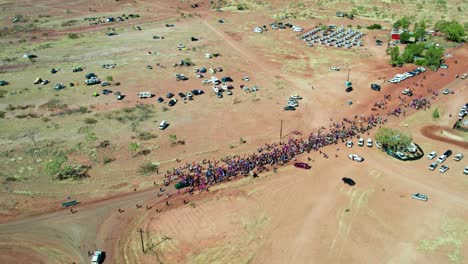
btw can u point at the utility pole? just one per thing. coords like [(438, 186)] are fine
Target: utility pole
[(281, 130), (141, 236)]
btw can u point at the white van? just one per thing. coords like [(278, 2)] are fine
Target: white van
[(163, 125), (97, 257), (144, 95)]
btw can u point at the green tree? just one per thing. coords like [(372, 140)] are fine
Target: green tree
[(435, 113), (393, 139), (417, 48), (402, 23), (408, 55), (433, 55), (420, 30), (404, 37), (133, 147), (394, 55), (453, 30)]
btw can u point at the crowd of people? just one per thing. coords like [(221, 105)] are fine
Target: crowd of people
[(269, 156)]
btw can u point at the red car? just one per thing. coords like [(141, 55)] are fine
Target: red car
[(302, 165)]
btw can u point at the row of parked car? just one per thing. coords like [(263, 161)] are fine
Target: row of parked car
[(463, 111), (401, 77), (369, 143), (292, 103), (442, 158)]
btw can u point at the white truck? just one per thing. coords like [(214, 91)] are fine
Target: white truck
[(97, 257), (143, 95)]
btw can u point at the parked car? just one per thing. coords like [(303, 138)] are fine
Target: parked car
[(105, 84), (296, 97), (228, 92), (245, 78), (375, 87), (369, 142), (106, 91), (446, 91), (360, 142), (432, 155), (458, 157), (289, 108), (444, 66), (97, 257), (355, 157), (401, 155), (448, 153), (119, 95), (349, 144), (433, 166), (465, 171), (443, 168), (377, 144), (419, 196), (169, 95), (163, 125), (160, 99), (182, 95), (172, 102), (441, 158), (302, 165), (348, 181)]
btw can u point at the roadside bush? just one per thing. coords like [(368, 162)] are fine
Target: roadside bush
[(2, 114), (148, 168), (68, 23), (90, 121), (109, 78), (242, 140)]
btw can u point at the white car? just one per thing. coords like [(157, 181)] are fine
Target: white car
[(446, 91), (228, 92), (369, 142), (334, 68), (443, 168), (401, 155), (441, 159), (458, 157), (296, 97), (419, 196), (360, 142), (355, 157), (245, 78), (377, 144), (432, 155), (465, 171), (433, 166), (97, 257), (349, 144), (405, 91)]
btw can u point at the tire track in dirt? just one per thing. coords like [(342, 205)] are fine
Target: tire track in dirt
[(433, 132)]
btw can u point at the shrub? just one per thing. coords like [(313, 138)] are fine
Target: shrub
[(90, 121), (107, 160), (420, 62), (242, 6), (73, 36), (53, 166), (109, 78), (2, 114), (73, 172), (148, 168), (242, 140), (146, 135), (435, 113), (374, 26), (83, 109)]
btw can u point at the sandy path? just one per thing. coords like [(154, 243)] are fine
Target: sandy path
[(434, 132)]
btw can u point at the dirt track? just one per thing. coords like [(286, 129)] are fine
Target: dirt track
[(435, 132)]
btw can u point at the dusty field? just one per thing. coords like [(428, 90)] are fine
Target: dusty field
[(292, 216)]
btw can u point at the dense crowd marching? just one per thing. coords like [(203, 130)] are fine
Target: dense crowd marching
[(209, 172)]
